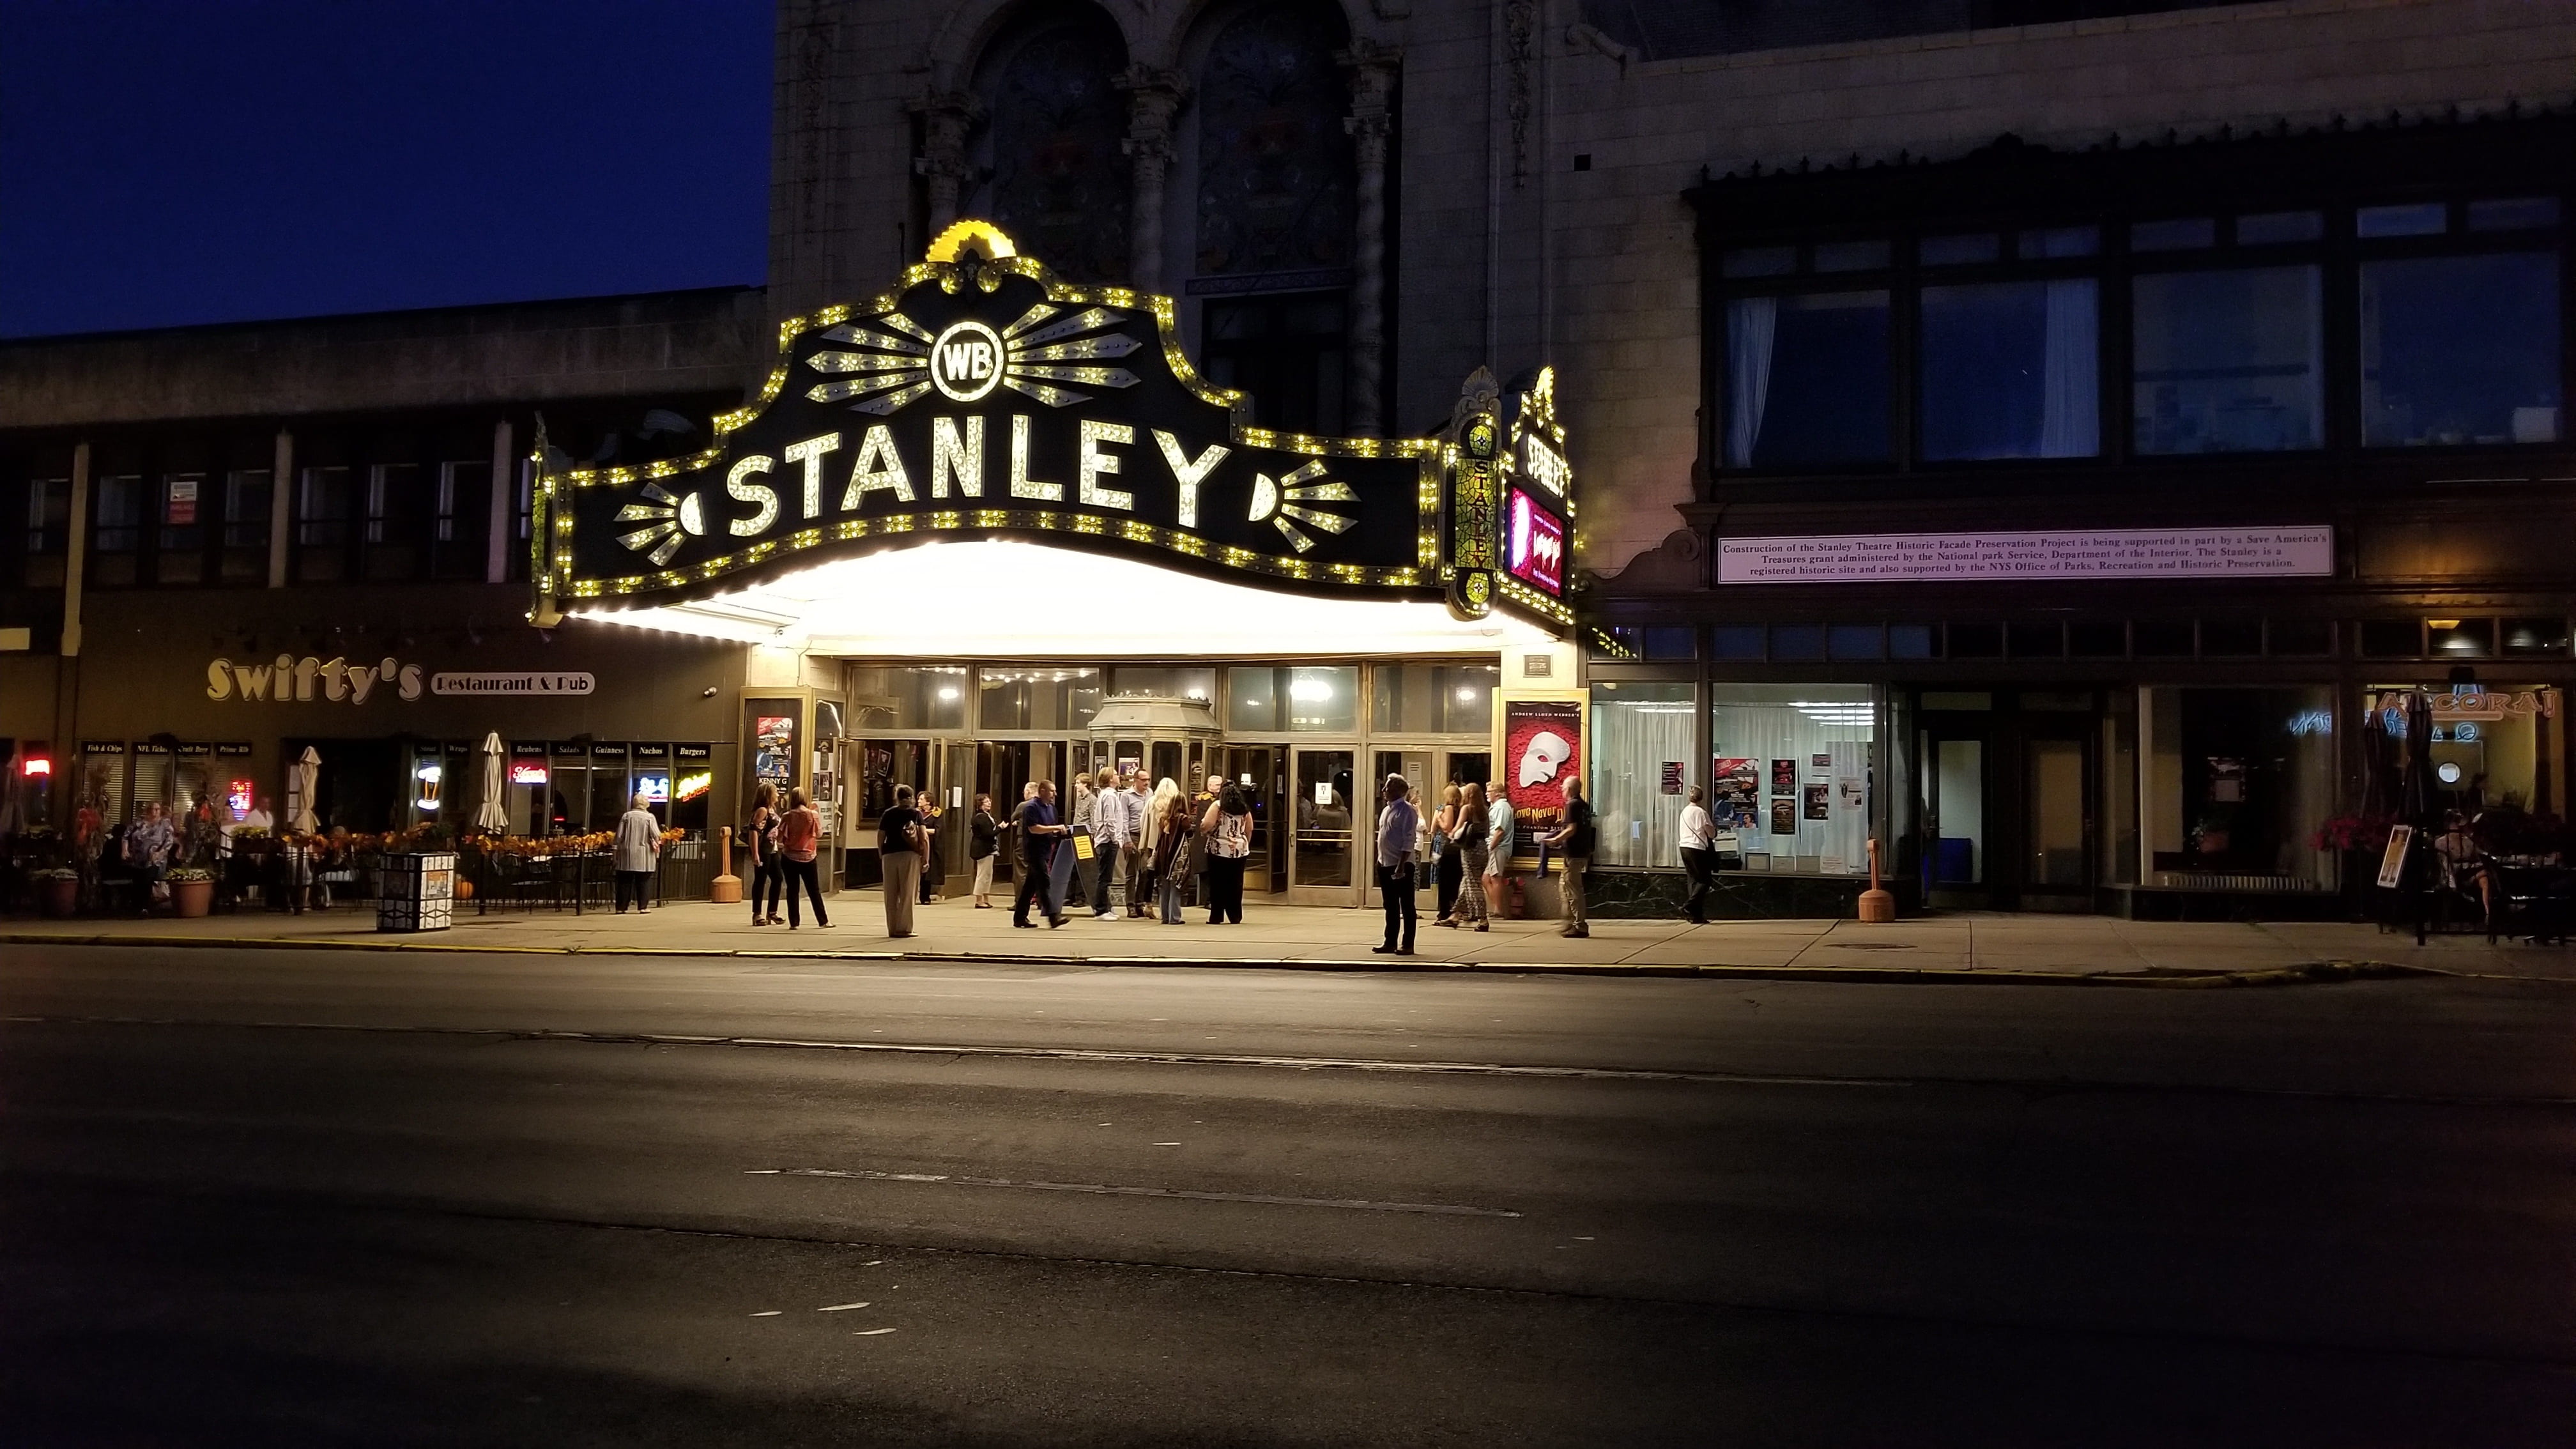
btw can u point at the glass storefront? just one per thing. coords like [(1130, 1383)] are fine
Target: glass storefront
[(1793, 766), (2234, 784)]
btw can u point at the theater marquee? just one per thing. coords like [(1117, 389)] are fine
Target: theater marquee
[(985, 397)]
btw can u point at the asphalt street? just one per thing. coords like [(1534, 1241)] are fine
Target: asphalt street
[(272, 1197)]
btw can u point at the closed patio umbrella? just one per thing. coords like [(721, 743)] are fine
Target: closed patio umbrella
[(493, 815), (308, 777), (2418, 803)]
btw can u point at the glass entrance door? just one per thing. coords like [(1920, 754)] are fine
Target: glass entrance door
[(1954, 816), (1322, 861), (1254, 769)]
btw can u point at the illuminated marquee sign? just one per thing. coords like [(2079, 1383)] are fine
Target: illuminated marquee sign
[(1523, 501), (985, 397)]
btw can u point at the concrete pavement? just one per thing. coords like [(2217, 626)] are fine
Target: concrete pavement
[(1954, 946)]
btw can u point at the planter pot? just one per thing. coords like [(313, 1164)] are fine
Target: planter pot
[(191, 898), (61, 897)]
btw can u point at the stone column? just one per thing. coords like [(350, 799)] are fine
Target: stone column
[(947, 119), (1152, 97), (1372, 69)]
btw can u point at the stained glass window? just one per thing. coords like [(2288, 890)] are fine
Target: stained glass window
[(1276, 174), (1060, 174)]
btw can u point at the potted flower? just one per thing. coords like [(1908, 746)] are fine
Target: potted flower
[(192, 890), (57, 890)]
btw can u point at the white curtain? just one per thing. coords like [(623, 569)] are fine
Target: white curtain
[(2070, 391), (1632, 741), (1751, 323)]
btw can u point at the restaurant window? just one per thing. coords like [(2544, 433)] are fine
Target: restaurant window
[(2460, 350), (179, 550), (1642, 735), (48, 531), (247, 494), (928, 697), (1790, 775), (2461, 638), (457, 519), (2011, 370), (2237, 783), (119, 532), (1807, 381), (1735, 641), (324, 511), (2535, 636), (2227, 361), (2391, 638), (1036, 697), (1433, 698), (2294, 637)]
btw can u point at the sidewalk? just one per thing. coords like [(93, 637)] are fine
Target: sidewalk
[(1954, 947)]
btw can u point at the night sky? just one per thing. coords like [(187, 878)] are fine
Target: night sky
[(167, 163)]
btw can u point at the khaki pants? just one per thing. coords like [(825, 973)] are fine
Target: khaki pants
[(983, 877), (1572, 889), (902, 887)]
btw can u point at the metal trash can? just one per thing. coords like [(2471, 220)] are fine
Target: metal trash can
[(416, 892)]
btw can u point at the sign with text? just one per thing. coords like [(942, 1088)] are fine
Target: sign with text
[(982, 397), (544, 681), (2305, 551)]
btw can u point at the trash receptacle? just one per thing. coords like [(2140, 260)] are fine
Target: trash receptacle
[(416, 892)]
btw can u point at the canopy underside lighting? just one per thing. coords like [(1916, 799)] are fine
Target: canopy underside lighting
[(1006, 599)]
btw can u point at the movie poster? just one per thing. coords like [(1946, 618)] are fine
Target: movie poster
[(1818, 801), (1735, 792), (1542, 749), (1784, 777), (1784, 816)]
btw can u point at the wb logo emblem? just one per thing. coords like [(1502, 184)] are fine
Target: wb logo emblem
[(966, 361)]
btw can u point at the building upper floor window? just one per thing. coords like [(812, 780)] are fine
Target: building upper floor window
[(2011, 370), (2227, 361), (1807, 380), (2227, 332)]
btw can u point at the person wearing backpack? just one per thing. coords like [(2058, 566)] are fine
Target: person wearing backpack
[(900, 839), (1575, 837)]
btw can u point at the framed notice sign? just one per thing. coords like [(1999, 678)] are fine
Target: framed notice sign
[(2392, 862)]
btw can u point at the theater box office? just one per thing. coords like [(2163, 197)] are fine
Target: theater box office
[(990, 527)]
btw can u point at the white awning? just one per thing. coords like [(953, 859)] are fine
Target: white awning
[(1006, 599)]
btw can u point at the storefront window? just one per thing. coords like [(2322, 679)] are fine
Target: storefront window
[(1323, 699), (181, 547), (1433, 698), (2009, 370), (1037, 697), (120, 532), (2237, 782), (2495, 747), (1643, 737), (322, 514), (1165, 681), (2460, 350), (1806, 380), (1791, 774), (928, 697), (2227, 361), (246, 505)]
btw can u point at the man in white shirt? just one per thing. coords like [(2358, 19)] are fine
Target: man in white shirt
[(1113, 829), (1699, 854), (1399, 838)]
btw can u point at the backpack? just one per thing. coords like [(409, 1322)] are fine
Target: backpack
[(1578, 813)]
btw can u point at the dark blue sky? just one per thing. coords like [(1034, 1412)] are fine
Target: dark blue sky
[(165, 163)]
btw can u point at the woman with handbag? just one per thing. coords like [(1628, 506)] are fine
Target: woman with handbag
[(800, 840), (900, 839), (1172, 850), (1228, 828), (1468, 835), (1446, 872)]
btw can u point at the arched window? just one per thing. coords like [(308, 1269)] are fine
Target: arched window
[(1059, 173), (1276, 179)]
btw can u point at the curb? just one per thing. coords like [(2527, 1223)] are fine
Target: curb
[(2311, 973)]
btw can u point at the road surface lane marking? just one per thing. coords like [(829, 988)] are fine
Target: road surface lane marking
[(841, 1307), (1118, 1190)]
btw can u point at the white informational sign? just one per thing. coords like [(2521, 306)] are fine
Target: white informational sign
[(1323, 792), (2392, 862), (550, 681), (2114, 553)]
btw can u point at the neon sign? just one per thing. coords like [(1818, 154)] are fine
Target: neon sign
[(1534, 545), (524, 773)]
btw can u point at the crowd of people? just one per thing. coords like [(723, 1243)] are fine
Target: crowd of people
[(1116, 844)]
